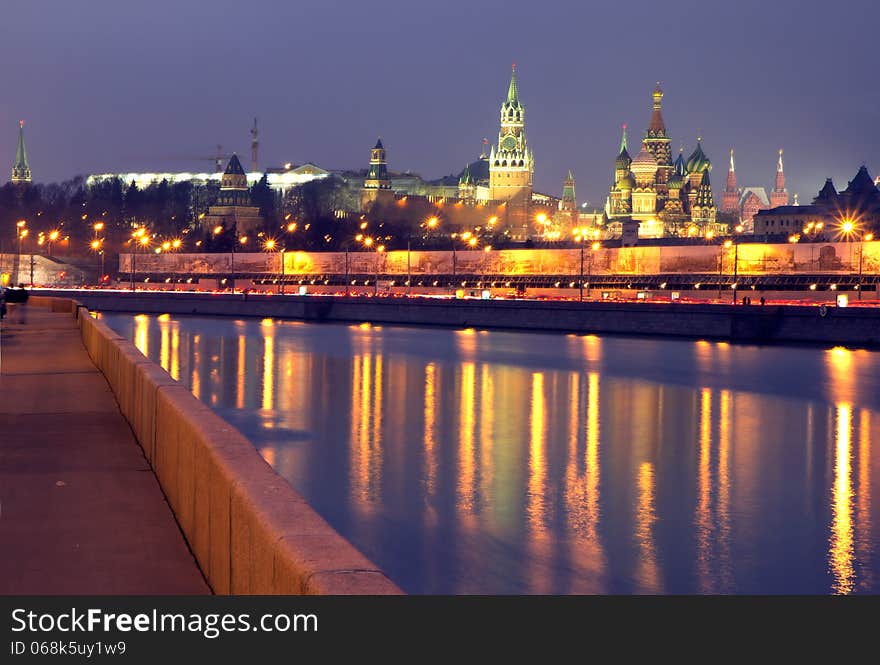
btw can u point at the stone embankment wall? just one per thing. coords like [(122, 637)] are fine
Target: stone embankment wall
[(831, 325), (249, 531)]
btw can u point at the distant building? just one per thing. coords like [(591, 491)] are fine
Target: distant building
[(233, 208), (281, 180), (21, 170), (828, 214)]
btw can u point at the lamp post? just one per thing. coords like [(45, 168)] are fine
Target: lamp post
[(869, 237), (21, 234), (593, 248)]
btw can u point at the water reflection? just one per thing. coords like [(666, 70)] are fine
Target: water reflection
[(468, 461)]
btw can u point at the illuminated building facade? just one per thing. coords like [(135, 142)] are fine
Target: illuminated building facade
[(665, 197), (21, 170)]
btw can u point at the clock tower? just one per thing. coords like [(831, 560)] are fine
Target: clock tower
[(510, 162)]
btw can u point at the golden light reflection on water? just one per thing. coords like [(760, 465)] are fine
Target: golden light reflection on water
[(430, 425), (142, 333), (195, 379), (703, 519), (864, 544), (841, 542), (268, 372), (512, 453), (175, 351), (537, 469), (466, 421), (486, 439), (240, 372), (646, 517)]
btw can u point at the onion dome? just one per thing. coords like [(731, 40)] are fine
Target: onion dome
[(626, 183), (644, 164), (698, 162), (675, 181)]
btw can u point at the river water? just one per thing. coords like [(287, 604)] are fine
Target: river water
[(470, 461)]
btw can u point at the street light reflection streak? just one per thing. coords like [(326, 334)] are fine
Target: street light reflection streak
[(430, 425), (725, 573), (864, 545), (646, 518), (142, 334), (703, 519), (268, 370), (466, 440), (840, 555), (487, 433), (539, 544), (175, 351), (241, 370), (196, 380)]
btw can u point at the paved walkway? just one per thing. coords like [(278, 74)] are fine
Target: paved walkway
[(80, 510)]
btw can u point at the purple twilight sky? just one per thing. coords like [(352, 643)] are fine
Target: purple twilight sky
[(133, 86)]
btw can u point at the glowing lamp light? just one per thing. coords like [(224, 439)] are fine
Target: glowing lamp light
[(291, 227), (176, 243), (472, 242), (493, 220), (368, 242), (270, 244), (595, 246), (53, 236), (869, 237), (166, 245), (380, 248), (433, 222), (848, 226), (218, 230), (728, 244)]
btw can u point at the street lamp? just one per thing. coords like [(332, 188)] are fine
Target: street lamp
[(53, 236), (97, 245)]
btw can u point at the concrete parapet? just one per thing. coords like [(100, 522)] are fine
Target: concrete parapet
[(250, 532)]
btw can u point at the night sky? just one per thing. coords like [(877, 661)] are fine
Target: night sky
[(135, 86)]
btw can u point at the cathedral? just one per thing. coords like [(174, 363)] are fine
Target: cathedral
[(666, 197)]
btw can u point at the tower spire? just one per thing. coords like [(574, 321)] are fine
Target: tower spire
[(21, 170), (623, 139), (512, 91), (729, 197), (779, 195)]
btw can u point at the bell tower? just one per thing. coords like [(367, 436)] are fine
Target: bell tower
[(510, 161)]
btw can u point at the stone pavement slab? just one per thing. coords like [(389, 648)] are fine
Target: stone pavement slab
[(81, 512)]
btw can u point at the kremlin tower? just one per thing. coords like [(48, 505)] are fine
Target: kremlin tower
[(779, 195), (511, 163), (730, 196), (21, 170), (377, 185), (569, 199)]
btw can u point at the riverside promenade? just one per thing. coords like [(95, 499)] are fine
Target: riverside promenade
[(81, 511)]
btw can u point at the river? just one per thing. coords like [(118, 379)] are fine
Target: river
[(473, 461)]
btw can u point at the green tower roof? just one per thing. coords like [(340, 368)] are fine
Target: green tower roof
[(512, 91)]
